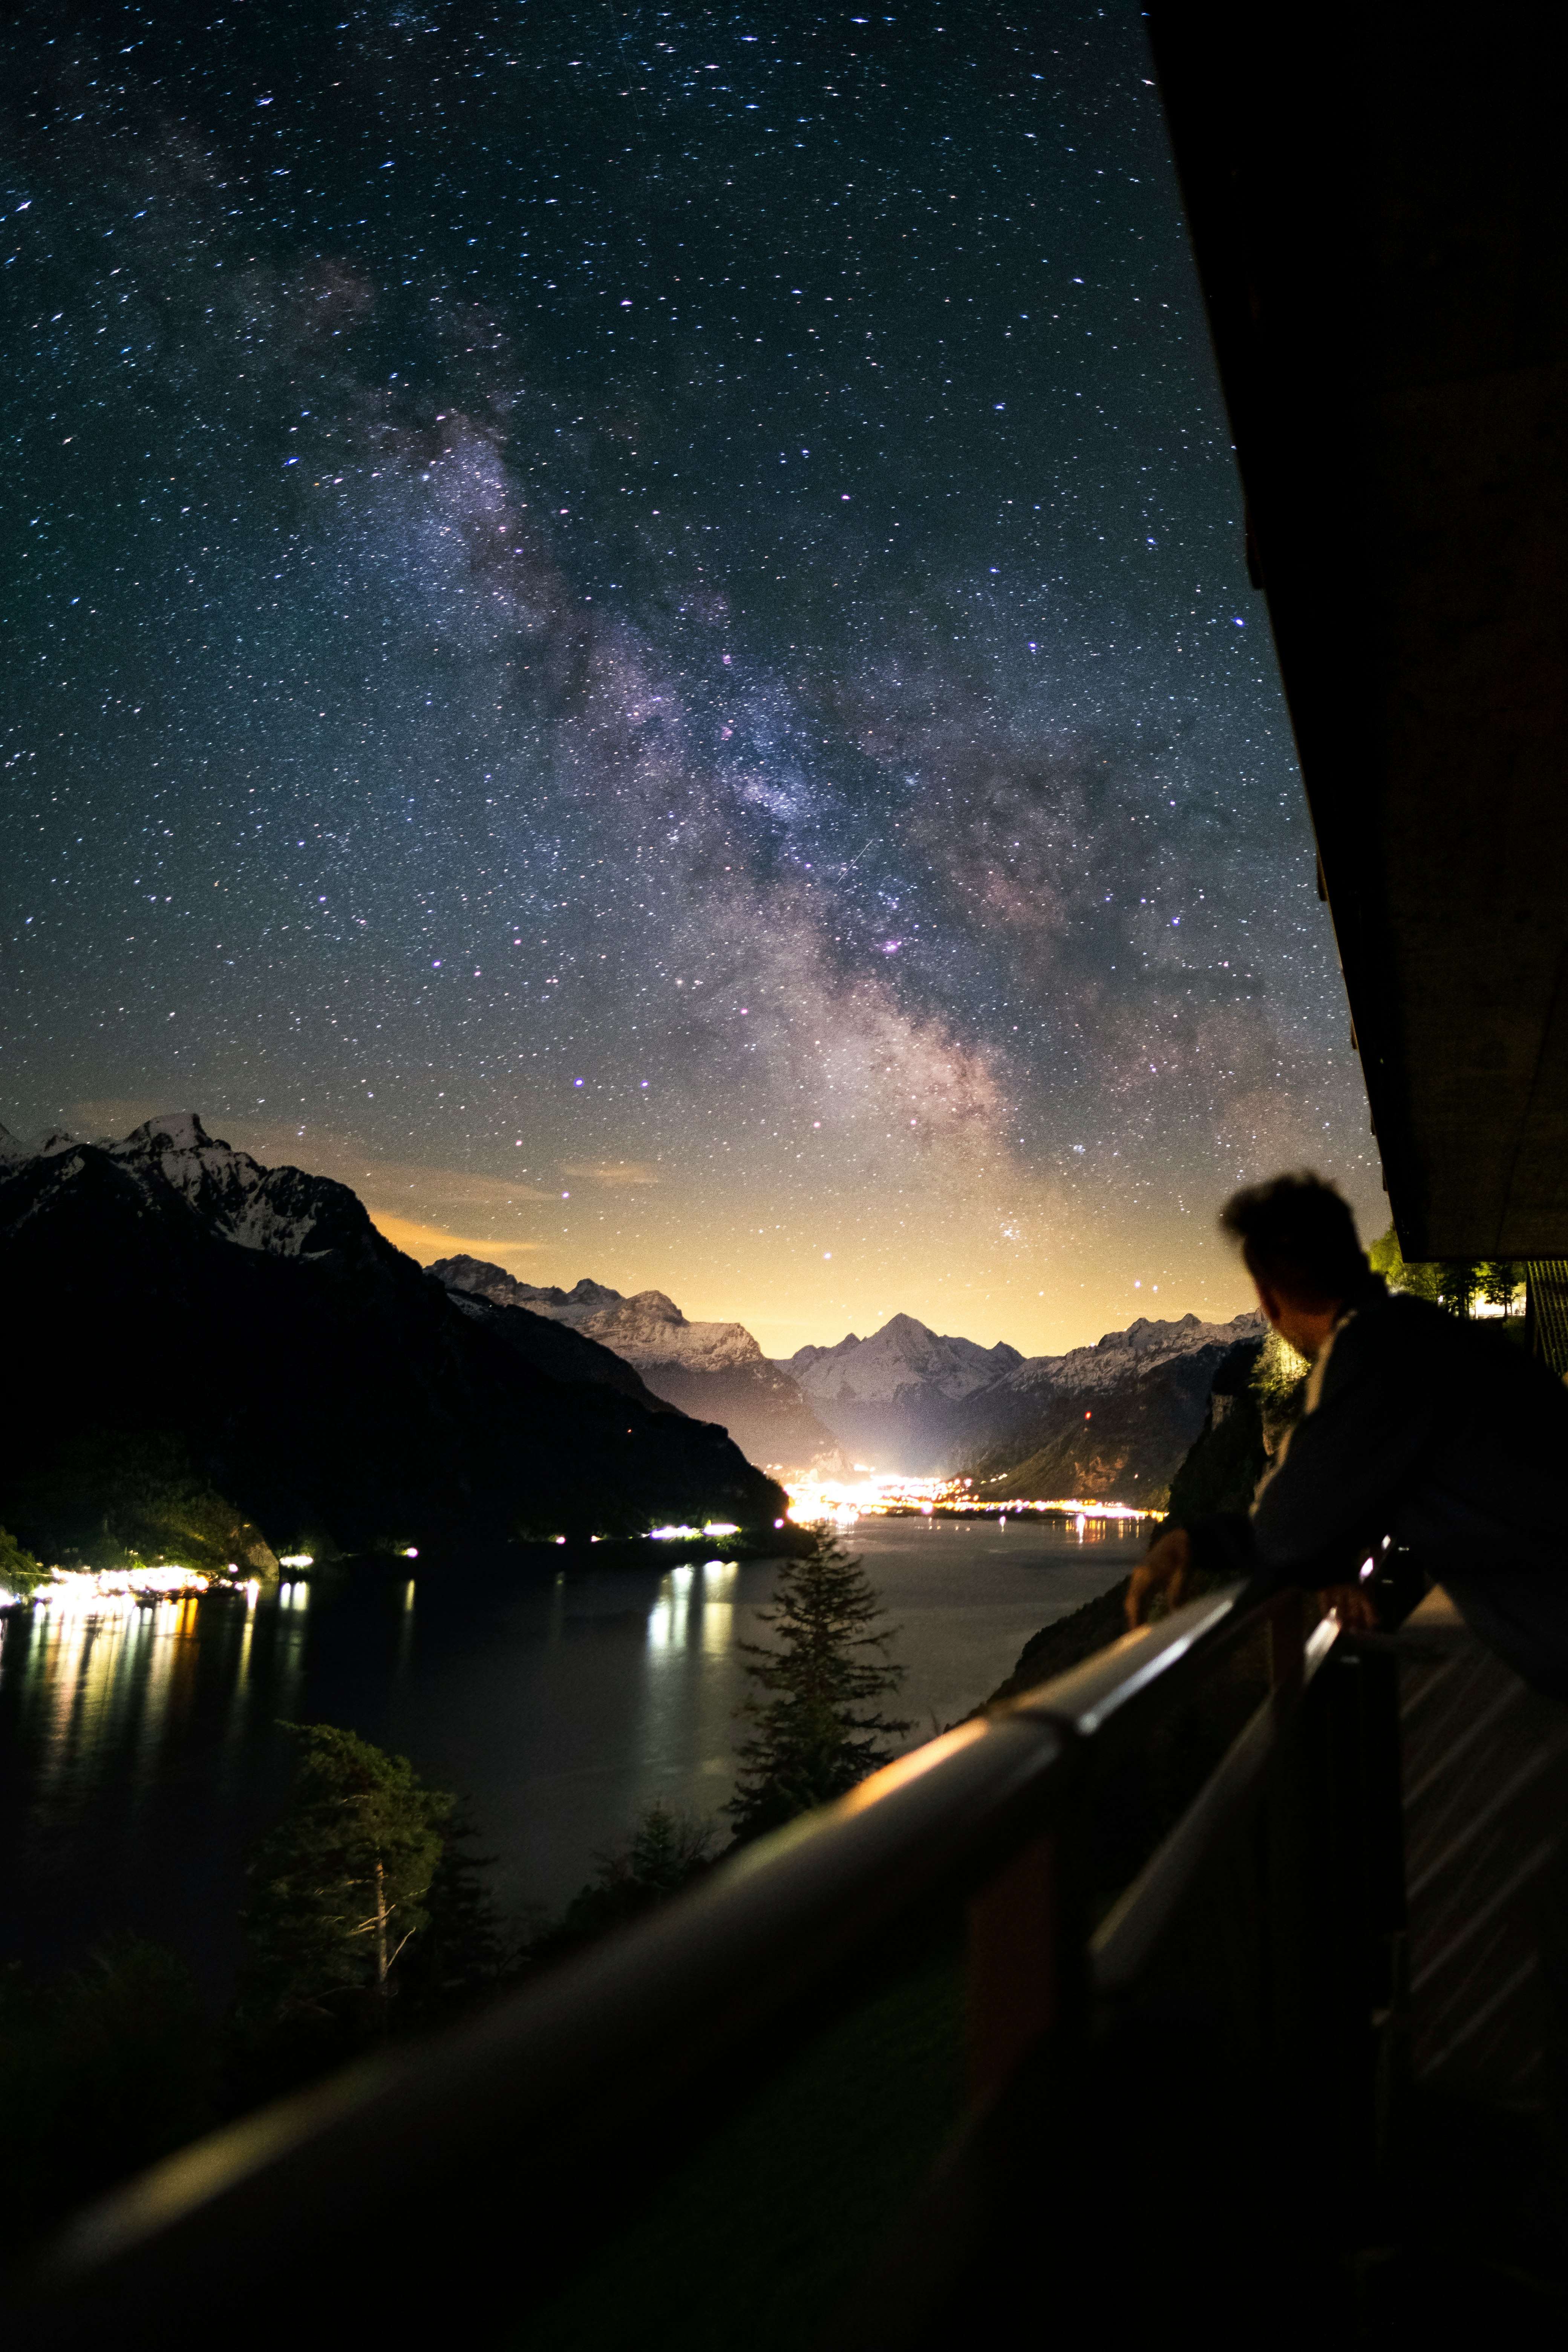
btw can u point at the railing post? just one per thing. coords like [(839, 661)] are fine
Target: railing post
[(1287, 1641), (1022, 1968)]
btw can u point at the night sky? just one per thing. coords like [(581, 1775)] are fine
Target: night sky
[(629, 628)]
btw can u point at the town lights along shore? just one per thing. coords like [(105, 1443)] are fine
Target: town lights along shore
[(840, 1503)]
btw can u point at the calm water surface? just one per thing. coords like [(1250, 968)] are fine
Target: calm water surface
[(142, 1750)]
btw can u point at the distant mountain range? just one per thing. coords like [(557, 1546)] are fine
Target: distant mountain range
[(191, 1333), (239, 1344), (896, 1399), (715, 1372), (1111, 1422)]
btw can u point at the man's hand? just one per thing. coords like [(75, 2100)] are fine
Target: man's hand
[(1351, 1605), (1164, 1570)]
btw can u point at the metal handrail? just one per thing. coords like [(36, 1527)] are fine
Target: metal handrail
[(1130, 1674), (487, 2118), (1128, 1936)]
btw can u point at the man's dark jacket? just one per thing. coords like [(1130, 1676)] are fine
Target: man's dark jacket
[(1445, 1437)]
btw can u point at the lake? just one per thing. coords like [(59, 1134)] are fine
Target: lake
[(142, 1751)]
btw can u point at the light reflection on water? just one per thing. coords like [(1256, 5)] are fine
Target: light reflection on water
[(141, 1746), (694, 1604)]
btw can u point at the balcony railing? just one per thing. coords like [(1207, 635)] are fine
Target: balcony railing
[(1171, 1882)]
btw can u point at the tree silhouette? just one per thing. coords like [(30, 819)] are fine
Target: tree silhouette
[(1501, 1279), (665, 1852), (817, 1731), (338, 1887)]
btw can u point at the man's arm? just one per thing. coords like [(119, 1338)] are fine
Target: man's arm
[(1169, 1563), (1347, 1465), (1163, 1569), (1351, 1462)]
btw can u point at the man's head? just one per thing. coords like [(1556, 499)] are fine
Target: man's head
[(1299, 1240)]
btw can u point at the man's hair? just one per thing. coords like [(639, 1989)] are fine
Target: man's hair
[(1298, 1236)]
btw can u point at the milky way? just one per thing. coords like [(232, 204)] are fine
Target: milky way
[(629, 627)]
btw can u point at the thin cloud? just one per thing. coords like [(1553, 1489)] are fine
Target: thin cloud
[(426, 1242), (613, 1172)]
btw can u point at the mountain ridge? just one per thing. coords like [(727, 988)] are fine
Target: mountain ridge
[(171, 1297), (714, 1372), (1109, 1420), (1108, 1423), (911, 1399)]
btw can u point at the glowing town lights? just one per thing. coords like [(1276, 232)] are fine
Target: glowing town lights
[(296, 1560), (108, 1590), (830, 1502), (1072, 1508), (840, 1503)]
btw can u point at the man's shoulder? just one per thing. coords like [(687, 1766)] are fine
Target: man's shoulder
[(1422, 1336), (1391, 1318), (1389, 1329), (1396, 1311)]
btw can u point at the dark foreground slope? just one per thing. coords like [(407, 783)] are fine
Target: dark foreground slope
[(1242, 1427), (168, 1301), (1111, 1422)]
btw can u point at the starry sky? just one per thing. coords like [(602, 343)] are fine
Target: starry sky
[(629, 628)]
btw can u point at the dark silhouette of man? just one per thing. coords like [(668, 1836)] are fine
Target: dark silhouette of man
[(1418, 1426)]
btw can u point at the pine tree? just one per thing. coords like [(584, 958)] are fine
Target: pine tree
[(1501, 1278), (338, 1887), (1462, 1284), (665, 1852), (817, 1732), (466, 1950)]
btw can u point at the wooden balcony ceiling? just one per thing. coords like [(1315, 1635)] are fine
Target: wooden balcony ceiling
[(1376, 198)]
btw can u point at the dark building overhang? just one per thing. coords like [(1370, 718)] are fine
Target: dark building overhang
[(1377, 199)]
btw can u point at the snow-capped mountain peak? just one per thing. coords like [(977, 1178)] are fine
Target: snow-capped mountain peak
[(715, 1372), (1144, 1342), (482, 1280), (649, 1328), (282, 1212), (904, 1354)]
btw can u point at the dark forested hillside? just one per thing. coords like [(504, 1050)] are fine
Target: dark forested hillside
[(1122, 1440), (164, 1309)]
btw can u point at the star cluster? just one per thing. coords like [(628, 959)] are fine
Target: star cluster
[(629, 628)]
